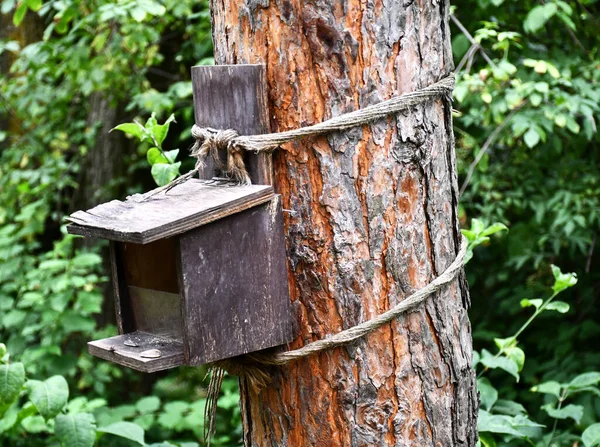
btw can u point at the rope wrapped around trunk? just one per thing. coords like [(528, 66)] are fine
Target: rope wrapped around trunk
[(209, 142), (253, 367)]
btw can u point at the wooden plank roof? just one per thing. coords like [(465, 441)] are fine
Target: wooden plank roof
[(143, 218)]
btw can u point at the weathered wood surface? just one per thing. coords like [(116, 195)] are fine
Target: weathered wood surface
[(157, 312), (122, 304), (186, 206), (137, 350), (231, 96), (234, 285), (374, 218), (151, 266)]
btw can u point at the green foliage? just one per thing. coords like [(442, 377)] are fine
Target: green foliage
[(135, 56), (528, 156), (503, 422), (164, 167)]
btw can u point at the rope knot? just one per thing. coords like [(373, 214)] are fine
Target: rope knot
[(210, 142)]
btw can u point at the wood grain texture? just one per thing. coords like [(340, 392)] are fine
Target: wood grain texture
[(234, 285), (128, 350), (234, 97), (374, 218), (186, 206), (123, 309), (152, 265)]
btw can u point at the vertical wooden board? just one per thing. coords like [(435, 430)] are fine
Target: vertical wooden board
[(123, 311), (234, 96), (234, 285)]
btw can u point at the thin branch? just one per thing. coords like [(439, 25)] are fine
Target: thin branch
[(589, 14), (471, 39), (577, 41), (590, 254), (468, 56), (487, 145)]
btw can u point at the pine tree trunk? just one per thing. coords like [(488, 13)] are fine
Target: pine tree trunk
[(373, 219)]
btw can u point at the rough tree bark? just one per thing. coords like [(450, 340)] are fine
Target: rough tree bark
[(373, 218)]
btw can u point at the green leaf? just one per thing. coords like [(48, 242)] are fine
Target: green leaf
[(584, 380), (49, 396), (531, 137), (12, 378), (519, 425), (560, 120), (172, 155), (562, 280), (509, 407), (517, 355), (572, 125), (477, 226), (34, 5), (152, 7), (538, 16), (133, 129), (20, 13), (504, 363), (148, 404), (34, 424), (494, 228), (164, 173), (76, 430), (86, 260), (487, 393), (536, 302), (504, 343), (591, 435), (138, 14), (551, 387), (574, 412), (14, 318), (10, 418), (126, 430), (559, 306), (155, 156), (54, 264), (159, 131), (487, 440), (72, 321)]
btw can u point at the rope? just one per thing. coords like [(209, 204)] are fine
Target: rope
[(210, 141), (251, 367)]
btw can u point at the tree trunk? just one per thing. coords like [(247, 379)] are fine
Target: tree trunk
[(29, 31), (373, 219)]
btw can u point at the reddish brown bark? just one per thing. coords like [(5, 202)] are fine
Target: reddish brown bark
[(373, 218)]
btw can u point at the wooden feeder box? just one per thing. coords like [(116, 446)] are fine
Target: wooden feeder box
[(199, 273)]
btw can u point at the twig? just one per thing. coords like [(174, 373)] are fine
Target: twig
[(589, 14), (590, 254), (487, 145), (468, 56), (577, 41), (472, 40)]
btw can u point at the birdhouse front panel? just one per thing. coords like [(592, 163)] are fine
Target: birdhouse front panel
[(233, 274), (199, 274)]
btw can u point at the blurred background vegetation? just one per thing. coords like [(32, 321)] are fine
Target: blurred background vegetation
[(527, 106)]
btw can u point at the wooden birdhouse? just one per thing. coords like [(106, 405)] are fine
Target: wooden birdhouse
[(199, 273)]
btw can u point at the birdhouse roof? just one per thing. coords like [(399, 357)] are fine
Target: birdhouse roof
[(158, 214)]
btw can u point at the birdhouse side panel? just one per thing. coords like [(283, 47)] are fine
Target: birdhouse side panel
[(234, 285)]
